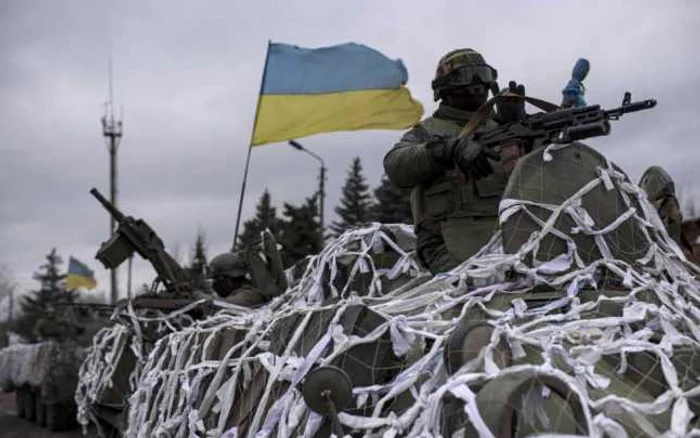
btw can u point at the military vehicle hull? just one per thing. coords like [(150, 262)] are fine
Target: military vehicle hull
[(580, 317), (44, 377)]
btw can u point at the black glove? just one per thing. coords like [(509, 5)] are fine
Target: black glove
[(442, 151), (470, 156), (511, 109)]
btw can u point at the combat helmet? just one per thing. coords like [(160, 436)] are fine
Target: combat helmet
[(657, 183), (227, 264), (458, 68)]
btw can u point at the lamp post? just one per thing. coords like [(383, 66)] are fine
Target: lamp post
[(321, 178)]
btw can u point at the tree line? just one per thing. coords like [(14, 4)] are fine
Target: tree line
[(46, 311), (298, 230)]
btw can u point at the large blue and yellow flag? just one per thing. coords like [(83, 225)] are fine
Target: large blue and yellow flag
[(339, 88), (79, 275)]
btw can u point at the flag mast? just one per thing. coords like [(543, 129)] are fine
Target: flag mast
[(250, 148)]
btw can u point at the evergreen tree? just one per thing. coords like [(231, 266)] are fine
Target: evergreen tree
[(265, 217), (392, 205), (42, 317), (356, 201), (301, 233), (198, 264)]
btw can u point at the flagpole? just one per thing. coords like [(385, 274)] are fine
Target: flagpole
[(250, 148)]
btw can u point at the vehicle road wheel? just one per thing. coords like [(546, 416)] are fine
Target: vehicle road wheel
[(19, 402), (40, 409), (28, 400)]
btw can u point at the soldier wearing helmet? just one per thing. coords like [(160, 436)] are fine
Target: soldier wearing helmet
[(456, 183), (661, 192), (232, 281)]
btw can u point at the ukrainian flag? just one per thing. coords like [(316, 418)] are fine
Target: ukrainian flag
[(79, 275), (339, 88)]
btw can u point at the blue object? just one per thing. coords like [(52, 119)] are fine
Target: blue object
[(575, 90), (581, 69), (336, 69)]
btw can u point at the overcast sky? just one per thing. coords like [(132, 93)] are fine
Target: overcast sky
[(187, 75)]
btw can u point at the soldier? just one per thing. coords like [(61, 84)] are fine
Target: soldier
[(242, 279), (661, 192), (456, 183)]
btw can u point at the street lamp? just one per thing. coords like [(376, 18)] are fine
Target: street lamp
[(321, 177)]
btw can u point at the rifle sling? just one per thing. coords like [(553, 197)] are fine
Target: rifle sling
[(485, 110)]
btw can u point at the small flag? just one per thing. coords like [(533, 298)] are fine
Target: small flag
[(79, 276), (339, 88)]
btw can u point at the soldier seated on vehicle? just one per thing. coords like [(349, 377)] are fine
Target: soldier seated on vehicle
[(242, 279)]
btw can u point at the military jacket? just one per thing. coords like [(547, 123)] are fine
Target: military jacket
[(661, 191), (247, 296), (440, 193)]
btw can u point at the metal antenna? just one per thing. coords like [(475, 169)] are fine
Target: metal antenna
[(112, 131)]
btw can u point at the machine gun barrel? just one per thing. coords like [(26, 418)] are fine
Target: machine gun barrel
[(114, 211), (629, 107), (560, 126), (135, 235)]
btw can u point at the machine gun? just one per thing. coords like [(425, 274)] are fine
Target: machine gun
[(559, 126), (135, 235)]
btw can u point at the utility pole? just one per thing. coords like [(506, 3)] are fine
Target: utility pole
[(112, 132), (322, 195), (321, 181), (128, 282), (12, 303)]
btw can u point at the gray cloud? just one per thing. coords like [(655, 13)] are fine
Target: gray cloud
[(188, 74)]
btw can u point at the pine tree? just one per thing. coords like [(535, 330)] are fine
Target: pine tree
[(356, 201), (42, 315), (392, 205), (198, 264), (265, 217), (301, 233)]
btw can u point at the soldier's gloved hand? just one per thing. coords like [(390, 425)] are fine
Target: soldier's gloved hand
[(511, 109), (441, 149), (472, 158)]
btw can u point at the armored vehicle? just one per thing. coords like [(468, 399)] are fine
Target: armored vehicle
[(579, 317), (111, 371), (43, 377)]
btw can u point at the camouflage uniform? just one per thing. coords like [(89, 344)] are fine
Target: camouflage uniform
[(453, 216), (243, 279), (247, 296), (661, 191)]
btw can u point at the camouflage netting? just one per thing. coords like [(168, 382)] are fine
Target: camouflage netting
[(590, 326), (113, 364), (49, 367)]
